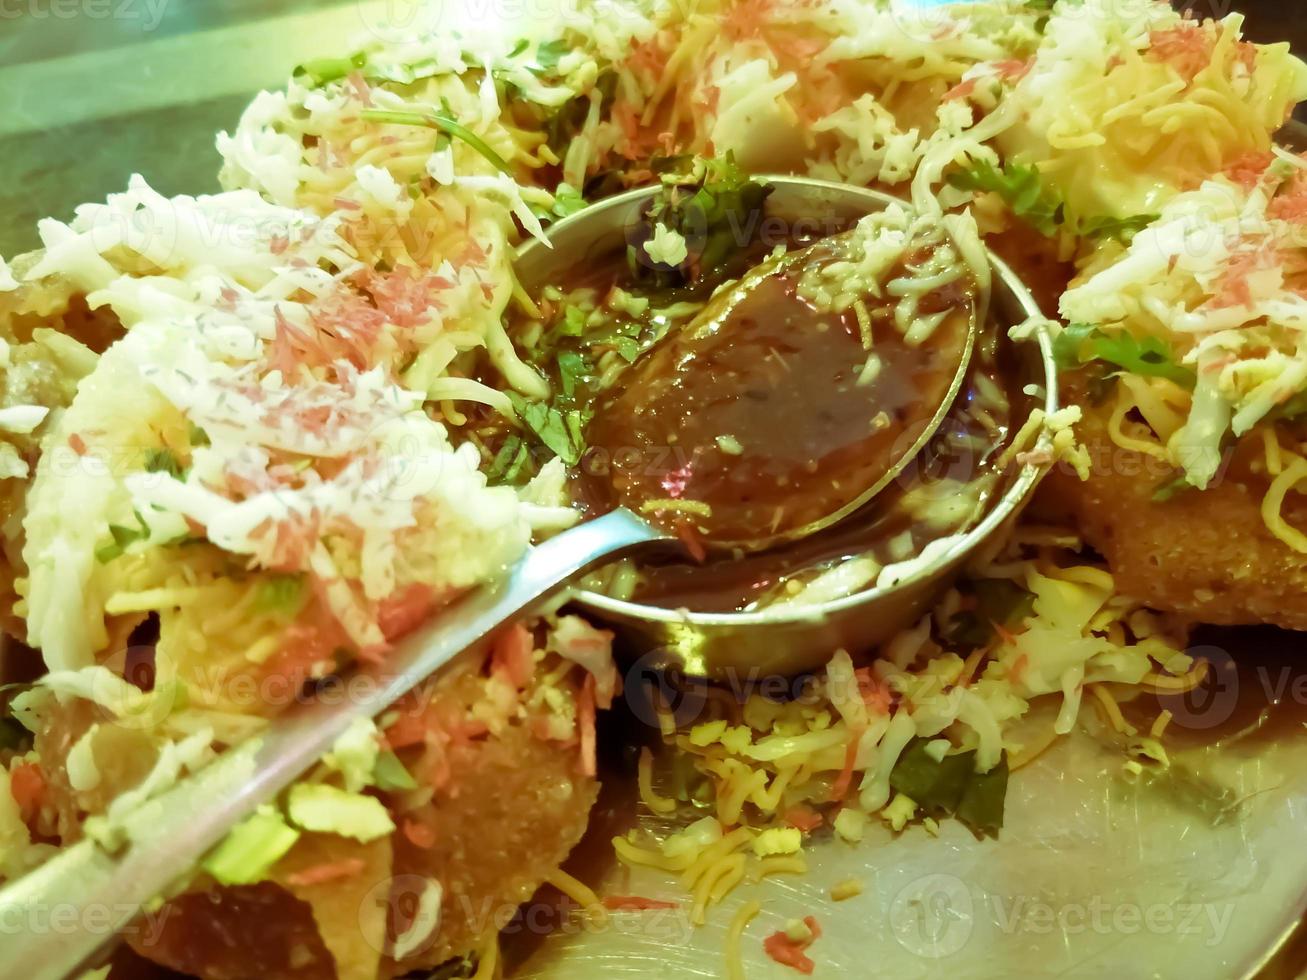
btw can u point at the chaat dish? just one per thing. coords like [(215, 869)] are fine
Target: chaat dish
[(250, 440)]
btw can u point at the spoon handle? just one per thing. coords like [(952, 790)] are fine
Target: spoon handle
[(95, 893)]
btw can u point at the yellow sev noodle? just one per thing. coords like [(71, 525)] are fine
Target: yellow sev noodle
[(656, 803), (488, 961), (731, 948), (581, 893), (1175, 685), (1273, 505), (1111, 709)]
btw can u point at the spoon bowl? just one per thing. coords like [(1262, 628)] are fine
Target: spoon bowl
[(769, 418)]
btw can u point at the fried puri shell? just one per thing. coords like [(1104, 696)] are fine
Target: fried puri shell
[(1206, 555)]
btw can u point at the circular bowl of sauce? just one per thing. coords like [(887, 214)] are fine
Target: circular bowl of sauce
[(745, 615)]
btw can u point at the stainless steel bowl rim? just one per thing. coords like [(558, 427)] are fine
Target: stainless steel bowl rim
[(1002, 510)]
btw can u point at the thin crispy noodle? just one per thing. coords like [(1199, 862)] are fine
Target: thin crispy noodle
[(581, 893), (720, 879), (633, 855), (1112, 710), (779, 864), (1271, 450), (488, 960), (712, 855), (651, 799), (1160, 723), (1116, 428), (1273, 505), (1166, 684), (731, 947)]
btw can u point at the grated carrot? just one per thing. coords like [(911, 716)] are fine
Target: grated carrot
[(328, 871), (585, 721)]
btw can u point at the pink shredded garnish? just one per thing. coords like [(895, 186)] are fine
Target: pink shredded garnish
[(360, 87), (407, 297), (320, 874)]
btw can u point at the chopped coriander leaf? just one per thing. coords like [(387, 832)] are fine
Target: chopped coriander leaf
[(935, 786), (325, 70), (1041, 206), (198, 436), (122, 538), (567, 121), (519, 47), (164, 460), (715, 207), (550, 53), (573, 322), (628, 347), (567, 200), (950, 786), (281, 593), (1122, 229), (572, 368), (390, 774), (1170, 488), (1081, 343), (505, 458), (551, 427), (1020, 187), (981, 808), (1002, 601), (999, 602), (445, 124)]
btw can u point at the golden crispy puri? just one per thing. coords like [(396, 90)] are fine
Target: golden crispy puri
[(1206, 555), (509, 808), (519, 810)]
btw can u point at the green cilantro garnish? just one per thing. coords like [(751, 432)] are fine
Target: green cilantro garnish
[(999, 602), (282, 593), (550, 53), (1081, 343), (164, 460), (326, 70), (572, 369), (123, 537), (715, 206), (950, 786), (442, 123), (509, 461), (1040, 206), (1167, 490), (561, 432), (1122, 229), (1020, 187), (390, 775)]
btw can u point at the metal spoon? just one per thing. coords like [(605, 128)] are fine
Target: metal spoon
[(169, 835)]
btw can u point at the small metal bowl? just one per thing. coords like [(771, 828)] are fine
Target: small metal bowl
[(752, 645)]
